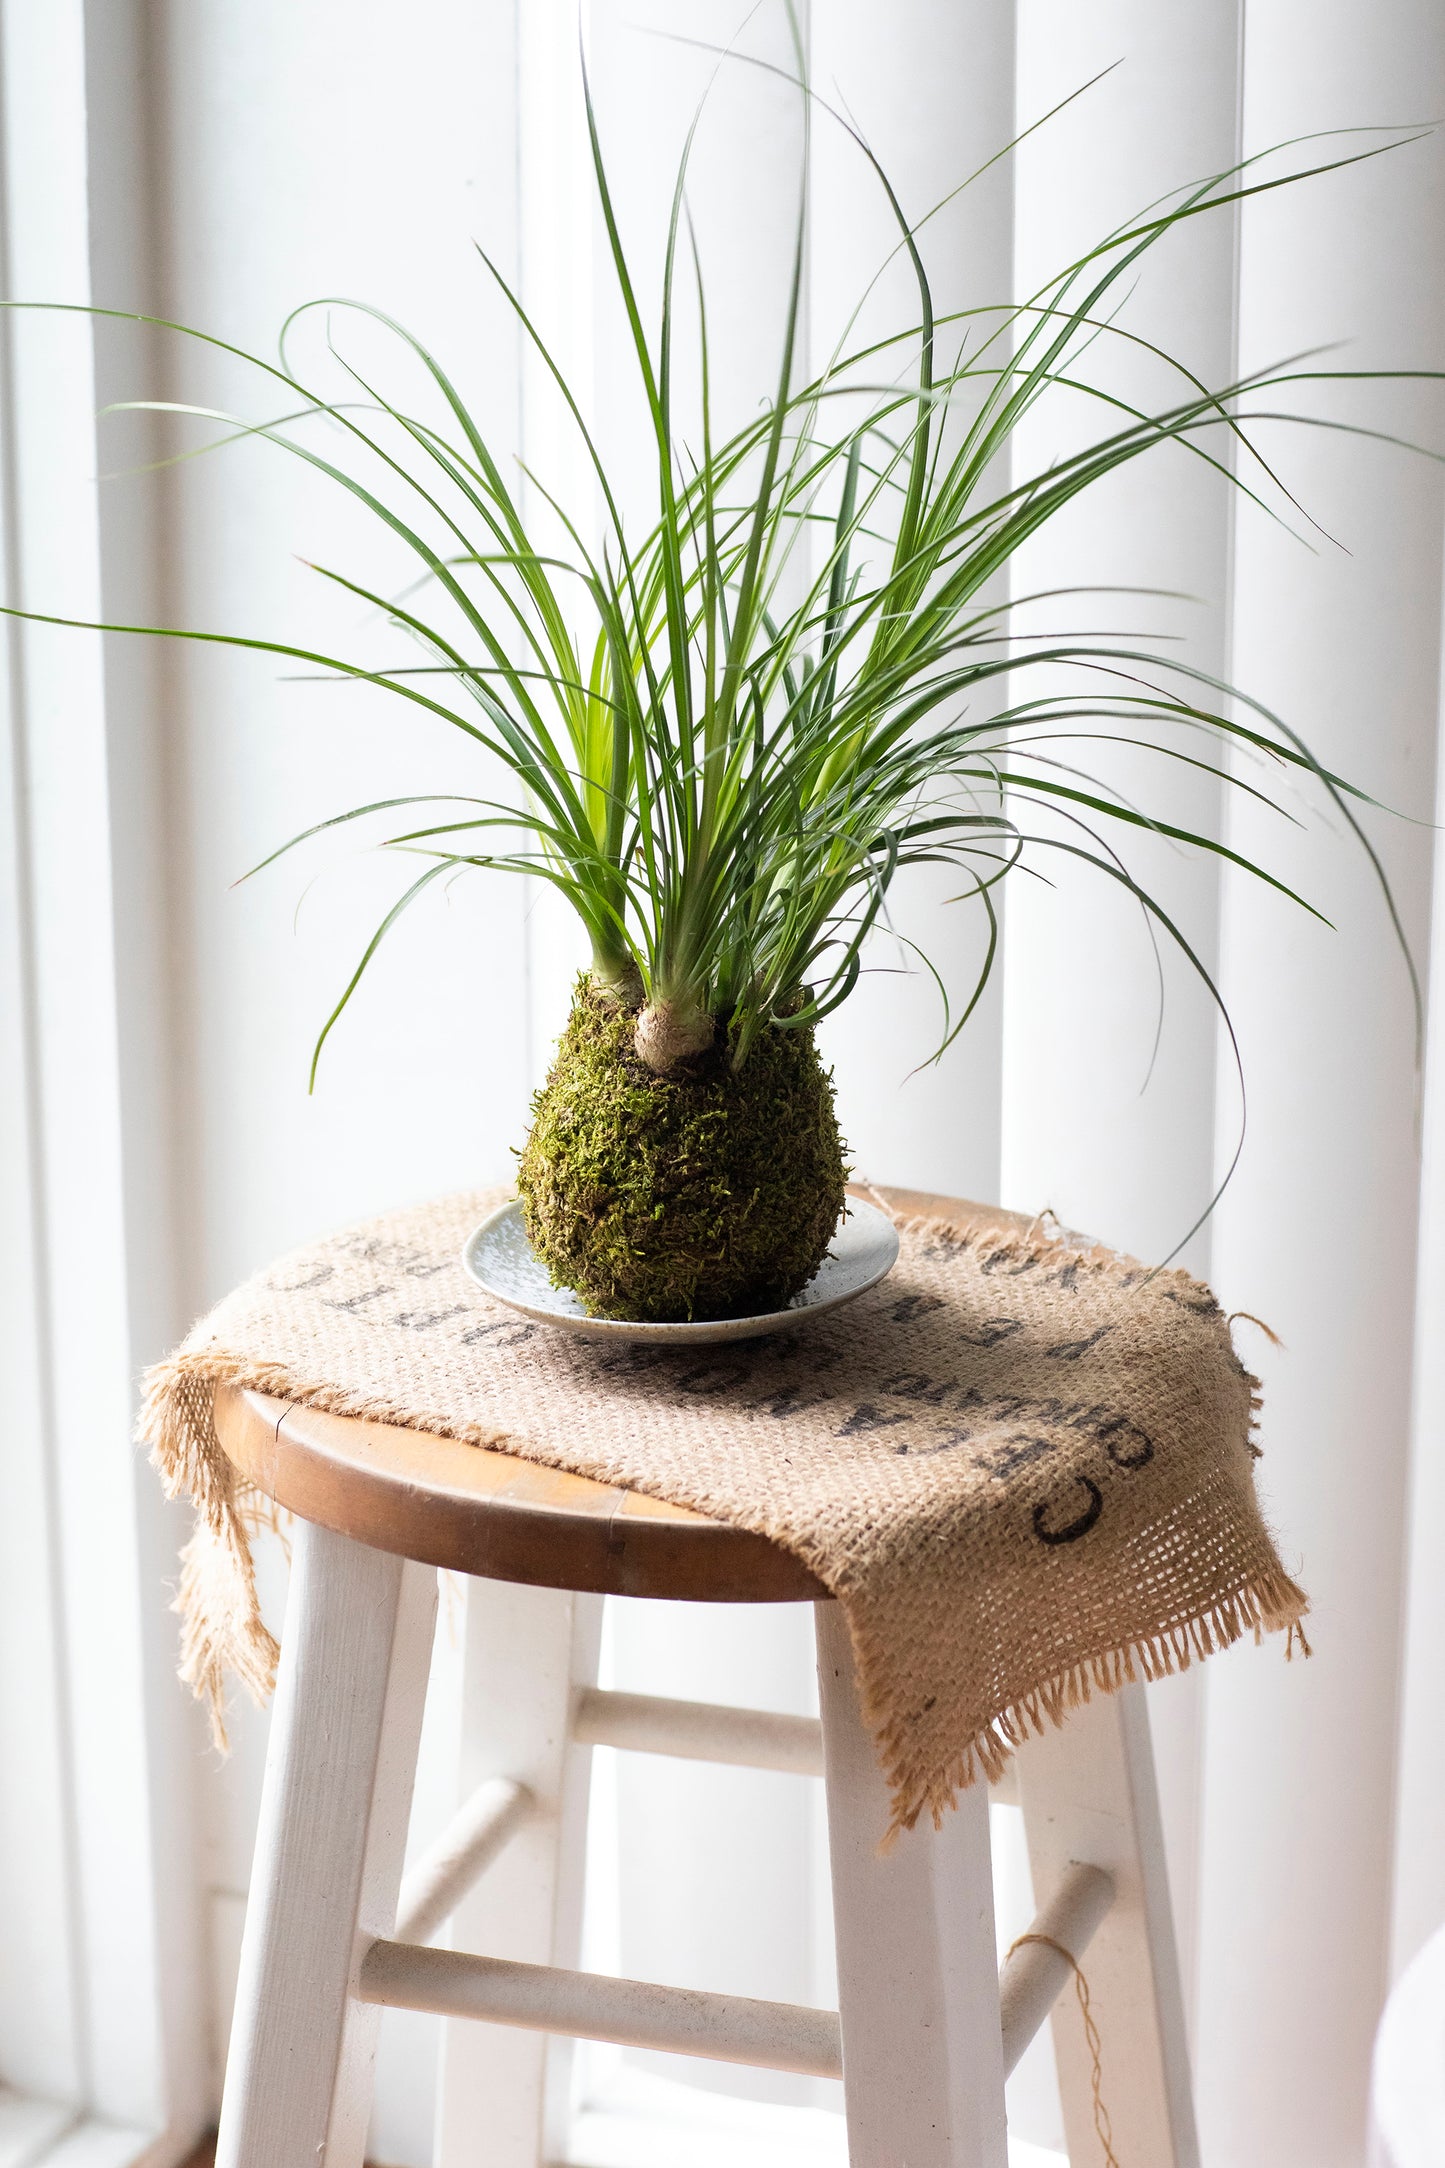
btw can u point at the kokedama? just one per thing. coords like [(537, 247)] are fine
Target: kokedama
[(731, 726)]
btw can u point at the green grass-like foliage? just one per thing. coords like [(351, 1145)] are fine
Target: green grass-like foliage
[(712, 1191), (729, 725)]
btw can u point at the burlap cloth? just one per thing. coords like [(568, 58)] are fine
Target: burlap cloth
[(1024, 1469)]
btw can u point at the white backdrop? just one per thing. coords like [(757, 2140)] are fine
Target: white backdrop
[(219, 165)]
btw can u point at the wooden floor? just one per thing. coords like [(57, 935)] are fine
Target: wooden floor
[(205, 2156)]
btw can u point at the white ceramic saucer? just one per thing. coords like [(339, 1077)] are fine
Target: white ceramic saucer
[(500, 1258)]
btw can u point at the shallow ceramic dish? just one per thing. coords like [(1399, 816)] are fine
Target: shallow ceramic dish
[(500, 1258)]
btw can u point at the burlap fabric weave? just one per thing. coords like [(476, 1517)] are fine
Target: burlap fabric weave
[(1024, 1469)]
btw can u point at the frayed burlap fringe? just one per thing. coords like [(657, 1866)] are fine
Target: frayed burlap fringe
[(1274, 1605), (222, 1630), (1022, 1464)]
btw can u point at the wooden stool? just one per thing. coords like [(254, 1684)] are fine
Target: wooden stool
[(927, 2027)]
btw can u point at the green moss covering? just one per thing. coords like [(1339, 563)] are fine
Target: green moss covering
[(708, 1192)]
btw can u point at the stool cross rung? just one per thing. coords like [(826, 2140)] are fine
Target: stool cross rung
[(594, 2006), (715, 1731), (1032, 1977), (473, 1837), (686, 2021), (699, 1731)]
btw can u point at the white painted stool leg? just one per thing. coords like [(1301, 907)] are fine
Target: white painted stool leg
[(529, 1653), (339, 1768), (1088, 1796), (917, 1961)]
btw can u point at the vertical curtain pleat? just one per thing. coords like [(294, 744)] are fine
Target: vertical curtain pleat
[(1109, 1034), (1418, 1907), (930, 88), (1340, 634)]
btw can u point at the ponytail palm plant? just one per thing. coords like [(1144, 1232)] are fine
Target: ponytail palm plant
[(730, 725)]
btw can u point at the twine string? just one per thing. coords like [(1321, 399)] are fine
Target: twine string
[(1102, 2125)]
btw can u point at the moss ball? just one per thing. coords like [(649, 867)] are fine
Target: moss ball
[(708, 1192)]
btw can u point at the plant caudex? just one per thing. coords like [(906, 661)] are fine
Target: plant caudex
[(728, 731), (704, 1191)]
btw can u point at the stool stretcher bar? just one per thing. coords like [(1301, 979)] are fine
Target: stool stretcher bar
[(1031, 1979), (711, 1731), (462, 1853), (700, 1731), (592, 2006), (685, 2021)]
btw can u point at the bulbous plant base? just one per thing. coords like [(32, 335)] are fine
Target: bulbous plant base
[(708, 1192)]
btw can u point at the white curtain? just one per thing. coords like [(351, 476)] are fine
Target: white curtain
[(219, 165)]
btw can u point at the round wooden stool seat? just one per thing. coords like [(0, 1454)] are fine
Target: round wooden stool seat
[(488, 1513)]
